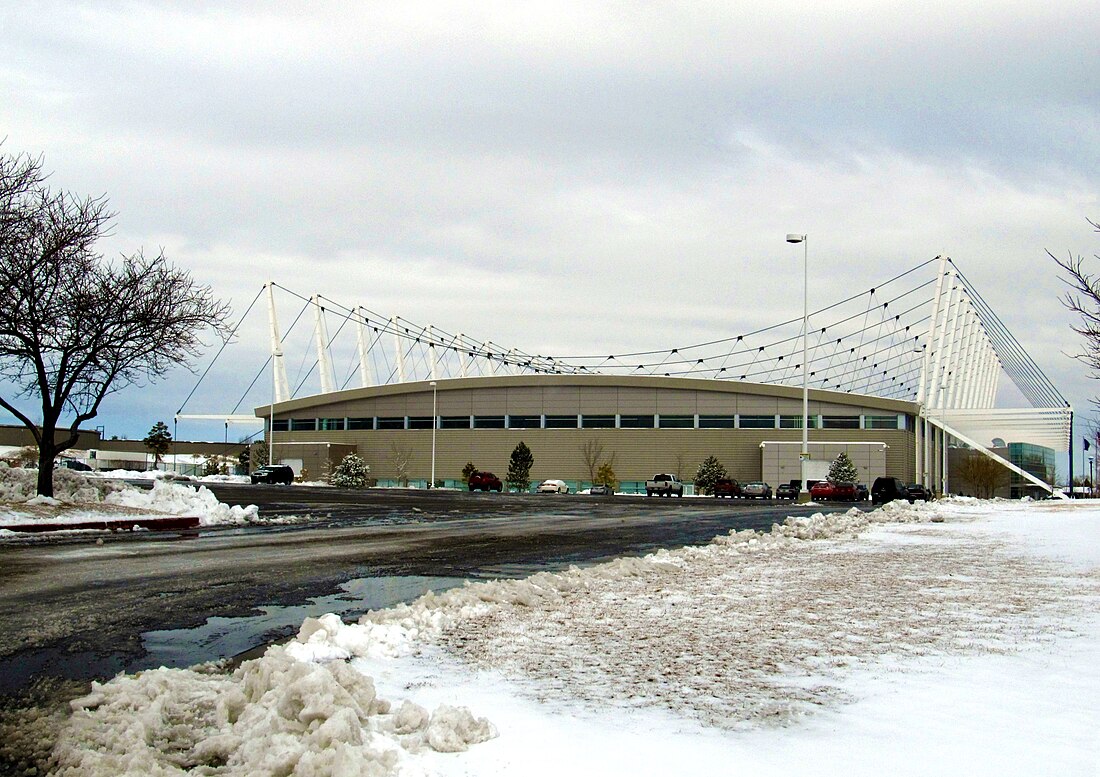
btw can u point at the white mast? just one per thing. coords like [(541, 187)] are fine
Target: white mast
[(324, 364), (281, 388), (361, 335), (400, 349), (431, 352)]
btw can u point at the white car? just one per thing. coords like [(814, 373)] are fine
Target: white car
[(553, 487)]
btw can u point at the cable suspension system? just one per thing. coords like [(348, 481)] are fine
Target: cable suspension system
[(932, 340)]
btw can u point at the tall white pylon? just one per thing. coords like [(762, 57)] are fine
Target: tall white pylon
[(399, 348), (280, 387), (324, 364), (361, 337)]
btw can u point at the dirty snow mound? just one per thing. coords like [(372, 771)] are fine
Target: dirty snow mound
[(177, 499), (273, 715)]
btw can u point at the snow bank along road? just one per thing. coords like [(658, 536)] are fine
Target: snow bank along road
[(73, 609), (863, 644)]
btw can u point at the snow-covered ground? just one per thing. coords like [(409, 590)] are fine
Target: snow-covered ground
[(81, 499), (889, 644)]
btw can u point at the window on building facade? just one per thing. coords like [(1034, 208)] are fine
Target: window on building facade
[(597, 422), (716, 422), (280, 425), (561, 422), (357, 424), (332, 425), (392, 422), (525, 422), (420, 422), (840, 422), (454, 422), (795, 422), (756, 422), (677, 421), (488, 422), (636, 421), (303, 424), (880, 421)]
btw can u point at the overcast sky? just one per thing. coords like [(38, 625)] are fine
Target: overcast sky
[(574, 177)]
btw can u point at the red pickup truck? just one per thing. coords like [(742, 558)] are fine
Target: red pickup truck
[(726, 487)]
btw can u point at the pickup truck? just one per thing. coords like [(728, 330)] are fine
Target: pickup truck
[(664, 485)]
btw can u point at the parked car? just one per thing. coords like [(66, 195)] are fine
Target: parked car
[(273, 473), (726, 487), (917, 491), (664, 484), (484, 481), (756, 490), (862, 494), (601, 490), (73, 464), (885, 490), (788, 490), (553, 487), (828, 491)]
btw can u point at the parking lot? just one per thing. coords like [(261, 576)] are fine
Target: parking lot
[(76, 609)]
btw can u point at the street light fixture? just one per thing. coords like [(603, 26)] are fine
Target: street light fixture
[(804, 493), (435, 423)]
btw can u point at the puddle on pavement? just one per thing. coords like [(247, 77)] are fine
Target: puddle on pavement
[(228, 637)]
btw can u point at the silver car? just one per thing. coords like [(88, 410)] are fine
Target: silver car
[(756, 490)]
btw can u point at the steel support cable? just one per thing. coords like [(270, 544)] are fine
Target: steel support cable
[(263, 368), (811, 362), (1050, 391), (773, 326), (794, 339), (882, 318), (866, 315), (225, 343), (855, 370)]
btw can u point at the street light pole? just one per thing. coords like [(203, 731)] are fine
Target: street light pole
[(435, 423), (804, 492)]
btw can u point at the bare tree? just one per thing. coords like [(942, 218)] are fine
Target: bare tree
[(1083, 298), (400, 455), (592, 453), (982, 474), (75, 328)]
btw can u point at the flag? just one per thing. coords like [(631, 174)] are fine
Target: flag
[(1087, 446)]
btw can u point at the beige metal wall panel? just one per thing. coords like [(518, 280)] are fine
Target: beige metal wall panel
[(637, 401), (749, 405), (561, 400), (639, 453), (713, 403), (599, 400), (458, 402), (525, 400)]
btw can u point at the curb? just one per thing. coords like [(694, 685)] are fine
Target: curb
[(167, 523)]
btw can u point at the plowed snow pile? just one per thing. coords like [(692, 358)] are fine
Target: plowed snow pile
[(81, 499), (674, 662)]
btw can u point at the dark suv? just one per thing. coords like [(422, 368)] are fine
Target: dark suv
[(887, 490), (273, 473), (727, 487)]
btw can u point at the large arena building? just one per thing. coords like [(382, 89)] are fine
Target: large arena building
[(641, 425), (901, 377)]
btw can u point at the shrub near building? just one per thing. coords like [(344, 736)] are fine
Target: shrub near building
[(351, 472), (708, 474)]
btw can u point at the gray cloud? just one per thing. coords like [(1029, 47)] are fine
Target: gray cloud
[(519, 172)]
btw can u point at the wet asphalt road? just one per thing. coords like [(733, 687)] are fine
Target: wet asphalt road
[(75, 610)]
